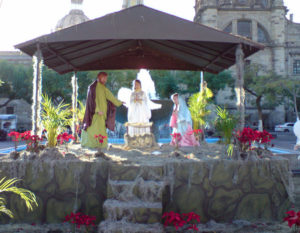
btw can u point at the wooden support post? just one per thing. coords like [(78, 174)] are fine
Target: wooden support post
[(74, 104), (239, 86), (37, 92)]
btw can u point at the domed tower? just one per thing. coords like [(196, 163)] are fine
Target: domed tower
[(130, 3), (74, 17)]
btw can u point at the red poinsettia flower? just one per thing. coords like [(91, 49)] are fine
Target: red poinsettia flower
[(65, 137), (100, 137), (192, 216), (26, 135), (177, 220), (80, 219), (292, 218), (248, 136), (15, 135), (193, 227), (176, 136)]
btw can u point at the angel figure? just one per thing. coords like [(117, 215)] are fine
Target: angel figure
[(139, 109)]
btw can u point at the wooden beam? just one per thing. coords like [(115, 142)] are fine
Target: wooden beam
[(59, 57)]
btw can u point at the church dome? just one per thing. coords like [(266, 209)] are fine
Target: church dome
[(75, 16)]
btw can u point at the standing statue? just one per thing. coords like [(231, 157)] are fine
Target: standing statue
[(139, 113), (100, 112), (181, 122), (296, 129), (138, 110)]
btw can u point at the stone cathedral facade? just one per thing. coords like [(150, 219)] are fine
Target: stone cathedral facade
[(263, 21)]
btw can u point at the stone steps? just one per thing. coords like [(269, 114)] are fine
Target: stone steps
[(126, 227), (150, 191), (133, 211), (134, 201), (131, 172)]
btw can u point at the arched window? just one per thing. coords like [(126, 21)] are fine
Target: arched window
[(244, 28), (228, 29), (262, 35)]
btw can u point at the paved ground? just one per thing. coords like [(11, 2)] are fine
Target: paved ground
[(6, 144), (284, 140)]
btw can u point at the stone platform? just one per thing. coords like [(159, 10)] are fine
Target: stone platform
[(137, 186)]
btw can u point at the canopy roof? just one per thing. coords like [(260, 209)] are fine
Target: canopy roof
[(139, 37)]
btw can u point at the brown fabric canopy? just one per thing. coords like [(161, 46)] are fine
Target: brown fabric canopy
[(139, 37)]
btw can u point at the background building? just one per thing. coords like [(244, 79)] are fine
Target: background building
[(75, 16), (20, 107), (263, 21)]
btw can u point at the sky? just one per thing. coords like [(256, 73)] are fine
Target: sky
[(23, 20)]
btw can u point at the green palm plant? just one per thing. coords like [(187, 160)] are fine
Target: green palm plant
[(55, 119), (198, 104), (26, 195), (225, 125)]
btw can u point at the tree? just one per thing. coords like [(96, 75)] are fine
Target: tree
[(57, 87), (120, 78), (16, 82), (261, 87), (289, 87), (216, 82), (183, 82)]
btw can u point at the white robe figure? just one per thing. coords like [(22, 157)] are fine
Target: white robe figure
[(138, 112), (139, 108), (296, 129)]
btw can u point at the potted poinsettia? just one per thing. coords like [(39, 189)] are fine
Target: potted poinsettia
[(64, 138), (176, 139), (100, 139)]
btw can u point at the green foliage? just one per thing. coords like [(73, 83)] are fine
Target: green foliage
[(55, 119), (219, 81), (225, 124), (288, 89), (259, 82), (168, 82), (16, 81), (57, 87), (198, 104), (26, 195), (119, 78)]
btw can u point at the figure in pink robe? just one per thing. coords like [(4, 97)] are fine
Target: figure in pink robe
[(181, 122)]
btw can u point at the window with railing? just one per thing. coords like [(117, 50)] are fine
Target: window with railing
[(296, 67)]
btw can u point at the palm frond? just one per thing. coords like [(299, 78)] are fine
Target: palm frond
[(225, 124), (198, 105), (25, 194), (6, 211), (55, 118)]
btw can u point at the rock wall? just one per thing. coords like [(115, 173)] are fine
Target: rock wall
[(221, 190), (60, 186), (227, 190)]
